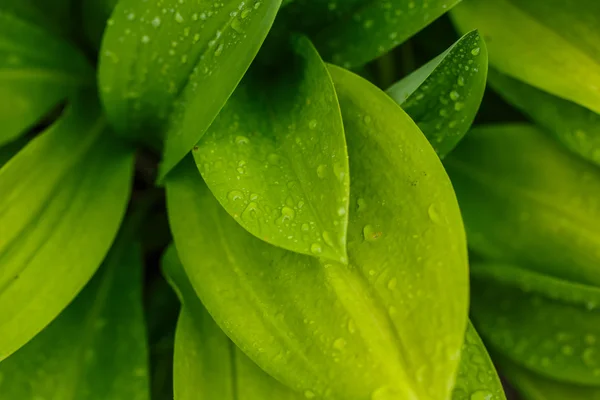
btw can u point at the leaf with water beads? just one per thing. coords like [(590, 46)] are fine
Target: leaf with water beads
[(207, 365), (549, 325), (576, 127), (553, 45), (522, 201), (443, 96), (276, 158), (96, 348), (167, 67)]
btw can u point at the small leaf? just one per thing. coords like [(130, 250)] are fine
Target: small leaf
[(37, 71), (553, 45), (325, 329), (576, 127), (276, 159), (167, 68), (443, 96), (65, 191), (549, 325), (534, 387), (207, 364), (522, 201), (477, 378), (96, 348)]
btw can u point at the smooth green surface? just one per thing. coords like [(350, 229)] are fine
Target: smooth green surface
[(534, 387), (576, 127), (63, 198), (527, 201), (276, 159), (207, 364), (477, 378), (549, 325), (167, 67), (37, 71), (444, 95), (390, 324), (96, 348), (553, 45)]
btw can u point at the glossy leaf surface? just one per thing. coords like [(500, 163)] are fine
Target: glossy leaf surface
[(576, 127), (65, 191), (96, 348), (549, 325), (334, 331), (37, 71), (552, 45), (477, 377), (169, 66), (443, 96), (522, 200), (276, 159), (207, 364)]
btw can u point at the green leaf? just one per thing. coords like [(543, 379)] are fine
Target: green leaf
[(167, 68), (276, 159), (37, 71), (443, 96), (207, 364), (553, 45), (63, 198), (477, 377), (9, 150), (576, 127), (522, 201), (534, 387), (549, 325), (96, 348), (325, 329)]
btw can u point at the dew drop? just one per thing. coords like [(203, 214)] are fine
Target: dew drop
[(433, 214), (156, 22), (370, 234), (178, 17), (312, 124), (392, 283), (327, 238), (339, 344), (235, 195), (321, 171), (475, 51), (287, 214), (242, 140), (316, 248), (454, 95), (304, 227)]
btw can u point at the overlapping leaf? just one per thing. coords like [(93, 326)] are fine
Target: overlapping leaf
[(443, 96), (96, 348), (276, 159), (549, 325), (329, 330), (527, 201), (553, 45), (37, 71), (207, 364), (63, 197), (576, 127), (177, 61)]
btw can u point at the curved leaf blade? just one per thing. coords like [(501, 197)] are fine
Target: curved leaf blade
[(276, 159), (65, 191), (37, 71), (521, 198), (96, 348), (444, 95), (548, 325), (576, 127), (551, 45), (207, 364)]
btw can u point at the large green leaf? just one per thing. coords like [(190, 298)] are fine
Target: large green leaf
[(553, 45), (207, 364), (37, 71), (549, 325), (443, 96), (96, 348), (276, 159), (63, 198), (527, 201), (576, 127), (477, 378), (535, 387), (167, 68), (391, 323)]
